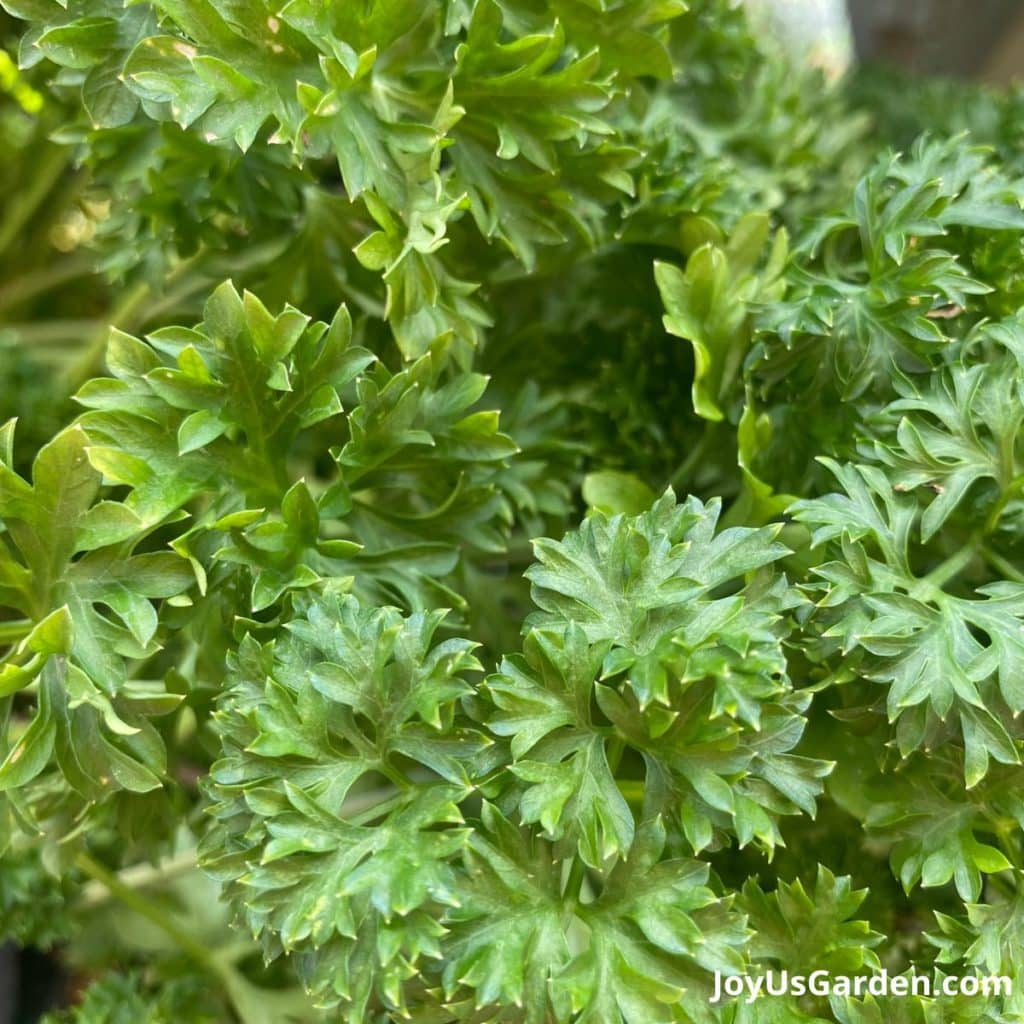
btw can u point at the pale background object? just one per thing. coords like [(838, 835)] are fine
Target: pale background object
[(817, 31), (959, 38)]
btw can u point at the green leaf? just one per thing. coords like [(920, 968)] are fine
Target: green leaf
[(935, 842), (611, 492), (378, 737), (709, 304), (639, 581), (929, 646), (808, 929)]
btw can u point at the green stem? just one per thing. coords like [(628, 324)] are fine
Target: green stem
[(1015, 486), (26, 667), (82, 368), (146, 908), (142, 876), (614, 753), (14, 630), (577, 875), (24, 206), (400, 781), (6, 703), (686, 467), (195, 277), (997, 561), (230, 955), (1009, 891), (35, 282), (928, 586), (1006, 833), (47, 332), (633, 790), (367, 812), (219, 963)]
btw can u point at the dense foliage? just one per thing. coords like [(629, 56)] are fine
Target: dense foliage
[(523, 501)]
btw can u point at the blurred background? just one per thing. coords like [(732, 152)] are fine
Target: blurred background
[(981, 39)]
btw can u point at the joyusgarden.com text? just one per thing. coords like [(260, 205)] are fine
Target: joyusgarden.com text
[(751, 987)]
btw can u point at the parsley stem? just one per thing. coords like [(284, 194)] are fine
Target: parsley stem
[(997, 561), (632, 789), (577, 876), (52, 332), (14, 630), (194, 275), (947, 569), (376, 810), (47, 172), (142, 876), (1000, 884), (1005, 831), (35, 282), (1009, 492), (148, 909), (92, 355), (616, 748), (689, 462), (219, 963), (400, 781), (6, 703)]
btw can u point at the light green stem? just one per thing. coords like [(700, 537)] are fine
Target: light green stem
[(142, 876), (577, 875), (36, 282), (49, 332), (928, 586), (14, 630), (997, 561), (682, 472), (24, 206), (123, 314), (146, 908)]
